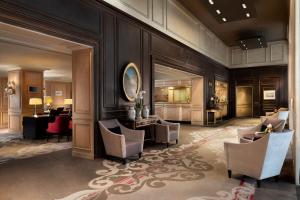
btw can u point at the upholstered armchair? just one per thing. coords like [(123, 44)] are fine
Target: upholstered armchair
[(282, 113), (165, 132), (123, 142), (277, 126), (260, 159)]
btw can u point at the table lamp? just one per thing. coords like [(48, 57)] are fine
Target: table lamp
[(69, 102), (48, 100), (35, 101)]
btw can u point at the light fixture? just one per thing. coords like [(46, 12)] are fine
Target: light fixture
[(69, 102), (35, 101), (244, 5), (224, 19), (218, 12), (248, 15), (211, 2), (48, 100), (10, 88)]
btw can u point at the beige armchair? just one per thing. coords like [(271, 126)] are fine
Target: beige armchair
[(260, 159), (277, 124), (126, 144), (165, 132)]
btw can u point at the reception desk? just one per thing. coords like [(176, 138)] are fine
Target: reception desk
[(180, 112)]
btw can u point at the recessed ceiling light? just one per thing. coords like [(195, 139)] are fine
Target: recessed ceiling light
[(211, 2), (218, 11), (246, 48), (248, 15), (258, 39), (244, 6), (224, 19)]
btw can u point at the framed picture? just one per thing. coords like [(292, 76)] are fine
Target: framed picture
[(33, 89), (58, 93), (269, 94), (131, 81)]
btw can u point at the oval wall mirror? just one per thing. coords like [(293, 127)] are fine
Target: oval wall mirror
[(131, 81)]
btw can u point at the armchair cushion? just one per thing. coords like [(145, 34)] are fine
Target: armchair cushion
[(116, 130)]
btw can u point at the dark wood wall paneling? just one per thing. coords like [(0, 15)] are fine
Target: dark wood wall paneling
[(260, 78), (117, 39)]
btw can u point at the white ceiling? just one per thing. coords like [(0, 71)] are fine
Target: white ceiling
[(24, 49), (167, 73)]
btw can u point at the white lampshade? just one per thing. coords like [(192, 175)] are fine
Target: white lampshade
[(35, 101), (68, 102)]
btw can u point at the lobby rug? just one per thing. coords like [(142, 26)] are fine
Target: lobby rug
[(13, 146), (192, 171)]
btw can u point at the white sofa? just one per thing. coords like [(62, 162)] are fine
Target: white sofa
[(259, 159)]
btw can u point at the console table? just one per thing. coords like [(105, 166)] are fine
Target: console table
[(213, 112), (146, 124)]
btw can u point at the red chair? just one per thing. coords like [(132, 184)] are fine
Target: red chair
[(58, 127)]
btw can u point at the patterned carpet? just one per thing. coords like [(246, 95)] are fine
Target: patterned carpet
[(191, 171), (13, 146)]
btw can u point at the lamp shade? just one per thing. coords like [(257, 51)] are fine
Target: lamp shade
[(48, 100), (68, 101), (35, 101)]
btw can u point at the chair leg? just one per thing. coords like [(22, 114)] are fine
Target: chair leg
[(229, 173), (258, 182), (140, 154), (276, 178), (58, 138), (124, 161), (176, 141), (167, 144), (47, 138)]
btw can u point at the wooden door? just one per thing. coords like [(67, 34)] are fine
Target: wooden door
[(83, 105), (244, 101)]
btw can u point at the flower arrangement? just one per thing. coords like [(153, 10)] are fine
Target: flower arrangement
[(139, 100), (214, 100), (268, 129)]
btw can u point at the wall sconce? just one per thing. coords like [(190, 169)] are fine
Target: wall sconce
[(10, 89)]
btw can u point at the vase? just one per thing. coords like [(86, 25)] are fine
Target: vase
[(138, 113), (131, 113), (145, 112)]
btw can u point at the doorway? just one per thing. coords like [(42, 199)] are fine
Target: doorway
[(244, 101), (56, 73), (178, 95)]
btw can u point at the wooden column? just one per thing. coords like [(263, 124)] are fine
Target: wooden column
[(83, 105), (15, 103), (3, 103)]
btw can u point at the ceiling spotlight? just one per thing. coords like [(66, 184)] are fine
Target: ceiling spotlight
[(248, 15), (224, 19), (211, 2), (242, 41), (258, 39), (218, 11), (244, 6)]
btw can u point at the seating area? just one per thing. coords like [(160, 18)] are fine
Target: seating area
[(150, 99)]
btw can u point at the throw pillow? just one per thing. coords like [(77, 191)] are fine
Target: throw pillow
[(263, 127), (116, 130)]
